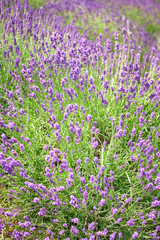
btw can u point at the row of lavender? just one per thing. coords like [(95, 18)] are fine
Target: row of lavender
[(79, 131), (139, 17)]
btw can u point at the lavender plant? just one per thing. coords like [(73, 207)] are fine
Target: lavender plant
[(79, 127), (91, 16)]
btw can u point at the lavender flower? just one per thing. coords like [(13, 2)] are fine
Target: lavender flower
[(131, 222), (135, 235), (42, 211), (74, 231), (74, 220)]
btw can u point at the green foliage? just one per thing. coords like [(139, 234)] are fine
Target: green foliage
[(35, 3)]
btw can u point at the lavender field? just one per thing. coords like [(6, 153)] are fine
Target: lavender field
[(79, 119)]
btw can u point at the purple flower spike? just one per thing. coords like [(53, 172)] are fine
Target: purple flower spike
[(75, 220), (112, 236), (135, 235), (35, 200), (131, 222), (42, 211), (89, 117)]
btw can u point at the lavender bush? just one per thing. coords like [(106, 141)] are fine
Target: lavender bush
[(140, 17), (79, 127)]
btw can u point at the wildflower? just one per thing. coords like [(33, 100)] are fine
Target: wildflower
[(74, 230), (68, 139), (92, 237), (85, 194), (42, 211), (112, 236), (144, 222), (133, 132), (1, 226), (92, 178), (35, 200), (17, 235), (108, 46), (102, 233), (114, 210), (78, 161), (74, 220), (128, 200), (118, 220), (110, 179), (86, 159), (131, 222), (91, 226), (55, 220), (155, 203), (96, 160), (65, 225), (17, 62), (111, 173), (138, 199), (62, 232), (135, 235), (102, 202), (95, 144), (89, 117)]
